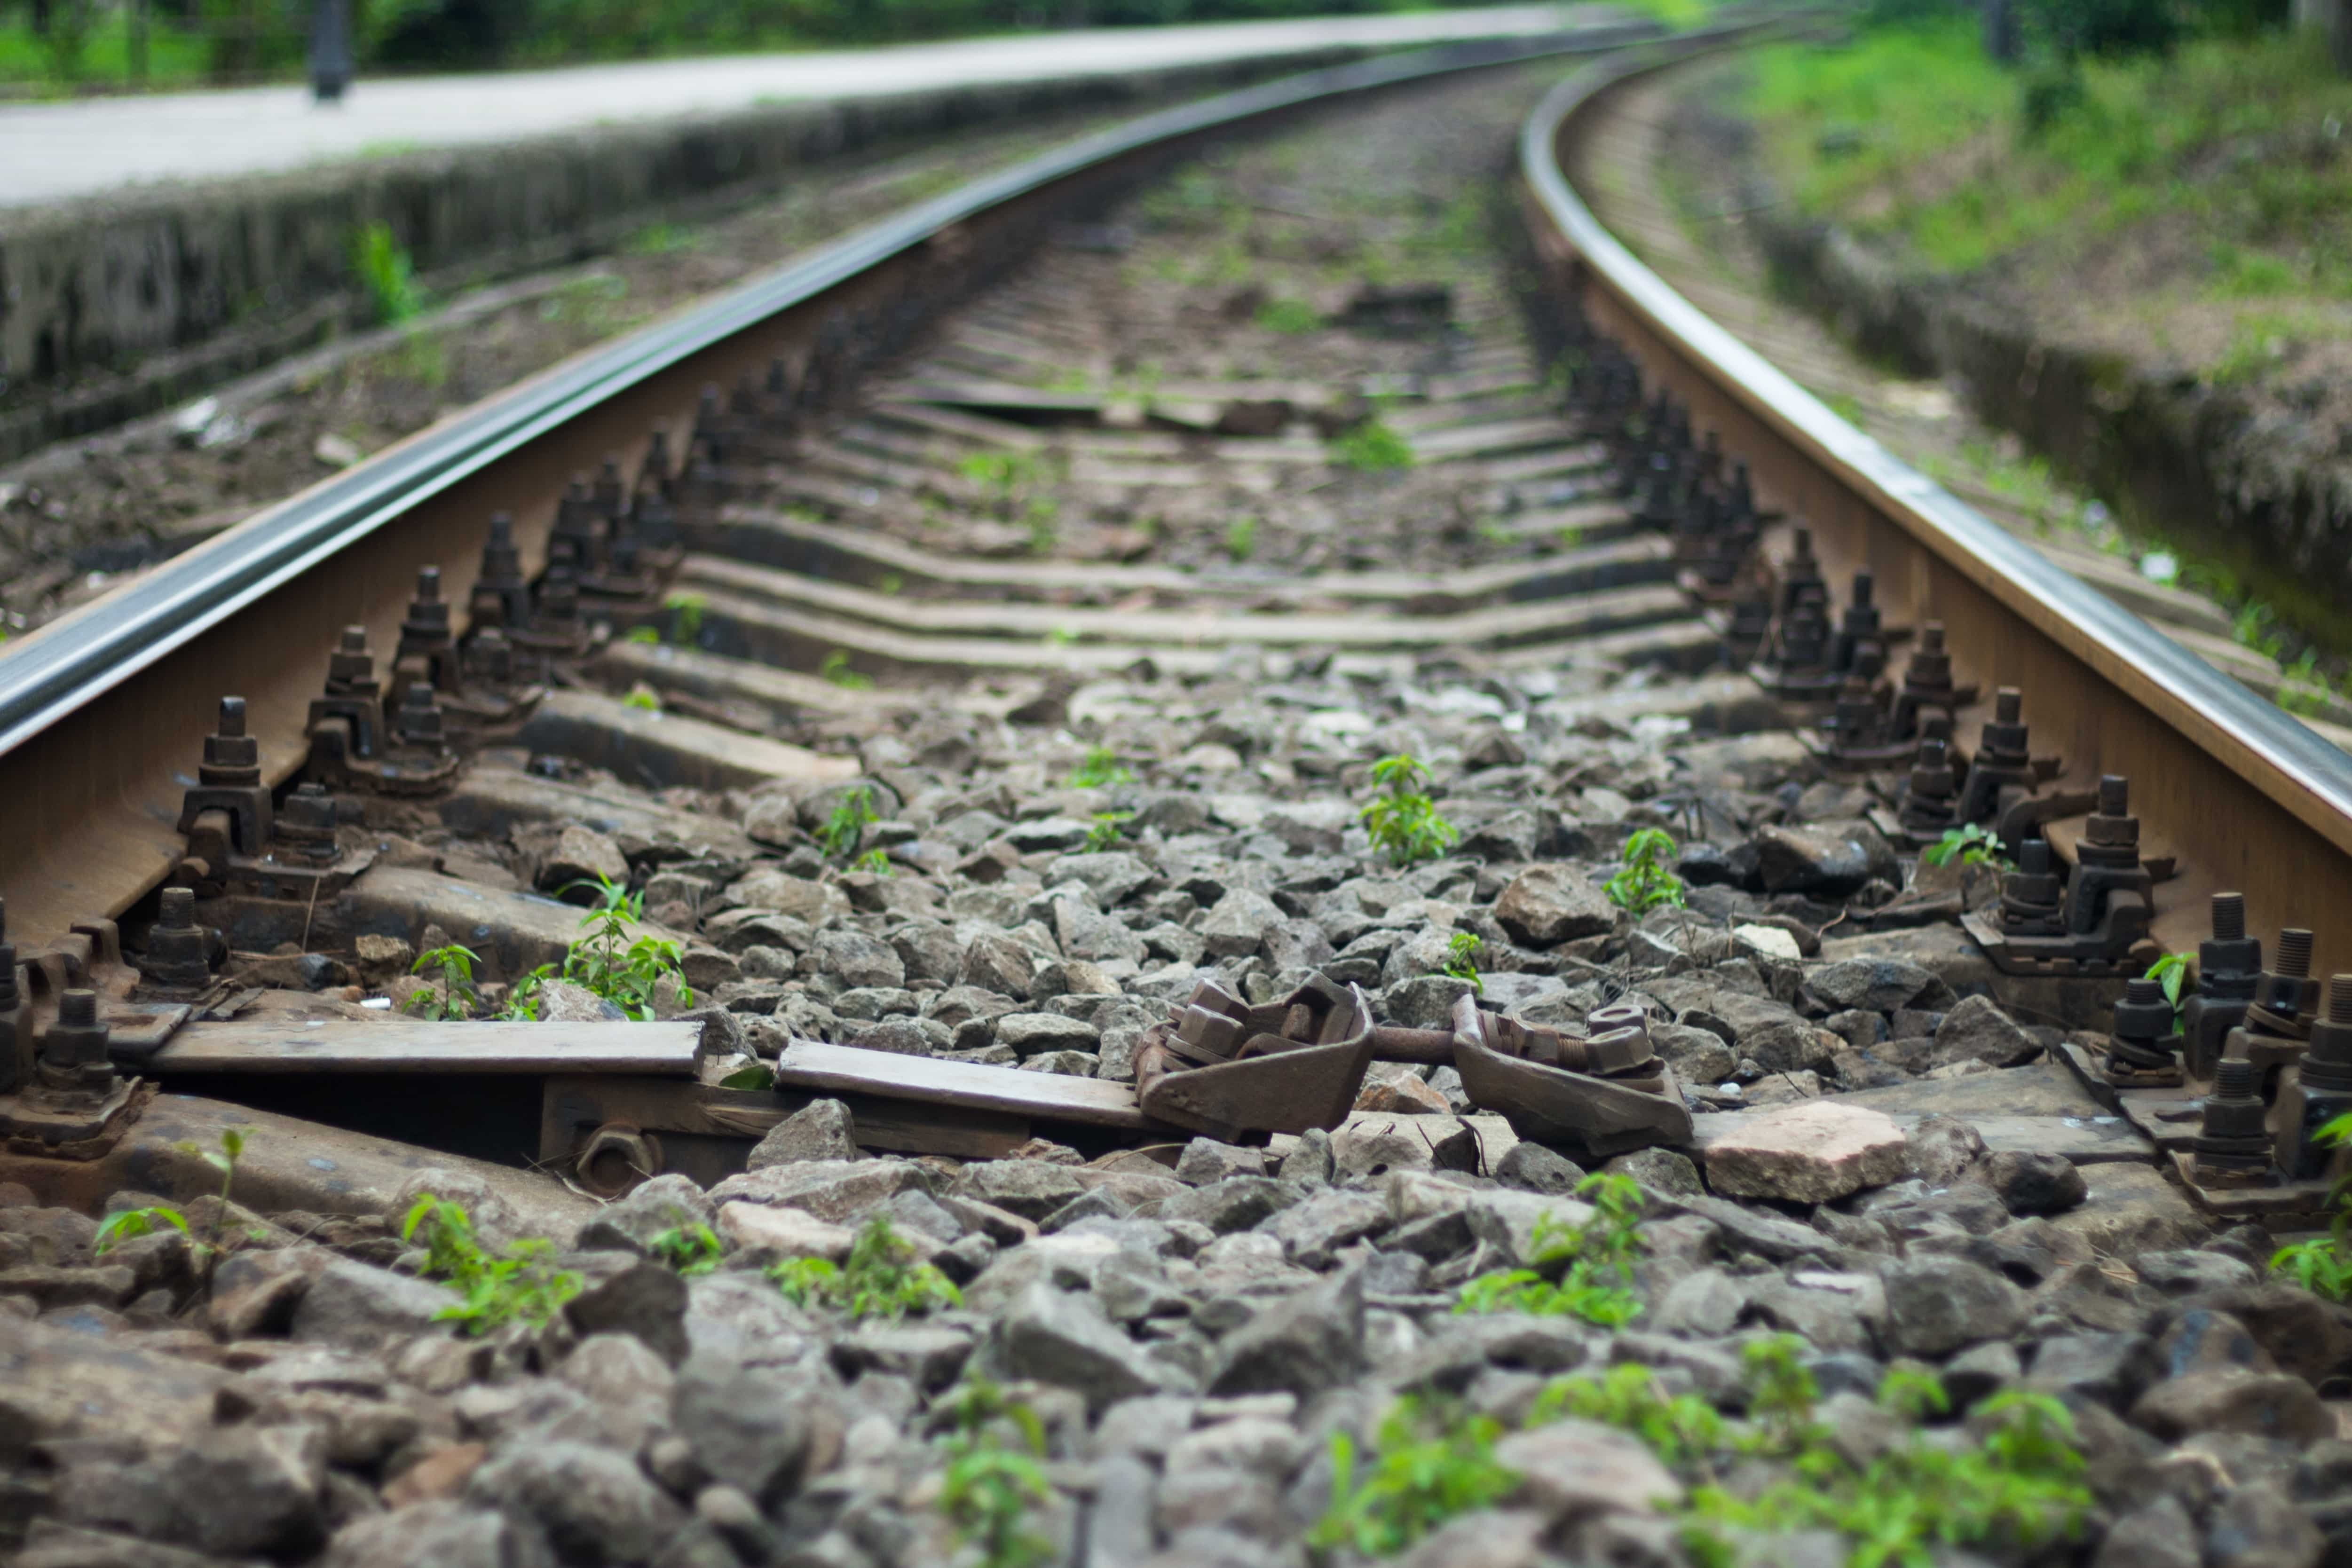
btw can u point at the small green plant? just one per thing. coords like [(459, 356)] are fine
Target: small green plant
[(128, 1223), (1371, 447), (521, 1284), (1403, 821), (844, 832), (1645, 878), (1290, 316), (1109, 827), (878, 1278), (875, 863), (1782, 1394), (2324, 1265), (1974, 844), (142, 1221), (1429, 1463), (686, 616), (1462, 950), (609, 961), (991, 1485), (643, 698), (1684, 1430), (1578, 1270), (643, 636), (1241, 539), (2171, 972), (836, 669), (1099, 769), (689, 1247), (453, 968), (387, 273)]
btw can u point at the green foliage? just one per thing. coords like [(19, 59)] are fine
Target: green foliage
[(1109, 827), (878, 1278), (1683, 1429), (1291, 315), (1578, 1270), (689, 1247), (643, 636), (453, 968), (686, 616), (991, 1485), (1782, 1394), (876, 863), (2171, 971), (1241, 539), (125, 1224), (1404, 822), (836, 669), (2021, 1486), (224, 1160), (1429, 1463), (845, 830), (1371, 447), (2324, 1264), (1974, 844), (387, 273), (644, 698), (521, 1284), (759, 1075), (1462, 950), (625, 969), (1099, 769), (1646, 878)]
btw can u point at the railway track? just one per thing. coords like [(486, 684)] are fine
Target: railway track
[(948, 681)]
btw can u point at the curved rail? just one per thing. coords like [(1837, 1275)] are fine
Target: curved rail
[(102, 712), (2249, 798)]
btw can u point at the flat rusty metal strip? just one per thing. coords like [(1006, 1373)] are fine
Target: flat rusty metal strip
[(103, 711), (2258, 802)]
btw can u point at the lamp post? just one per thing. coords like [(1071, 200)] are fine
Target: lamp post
[(330, 50)]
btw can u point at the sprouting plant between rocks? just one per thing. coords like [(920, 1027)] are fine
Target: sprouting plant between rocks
[(880, 1278), (1584, 1272), (991, 1485), (1646, 878), (523, 1284), (1403, 821)]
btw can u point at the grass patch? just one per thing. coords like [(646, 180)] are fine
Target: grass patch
[(1911, 132)]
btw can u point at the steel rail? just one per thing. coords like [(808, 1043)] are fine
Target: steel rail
[(2252, 798), (101, 711)]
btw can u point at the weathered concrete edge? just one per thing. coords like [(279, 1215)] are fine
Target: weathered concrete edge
[(2177, 453), (152, 295)]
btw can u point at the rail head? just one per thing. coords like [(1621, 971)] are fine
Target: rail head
[(2292, 766), (81, 656)]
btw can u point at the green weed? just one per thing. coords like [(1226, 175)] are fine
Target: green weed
[(1241, 539), (686, 612), (1974, 844), (521, 1284), (689, 1247), (1429, 1463), (2171, 971), (1403, 821), (386, 271), (1462, 950), (453, 968), (643, 698), (1108, 829), (844, 830), (1683, 1429), (1291, 315), (623, 969), (1579, 1271), (1371, 447), (1645, 878), (990, 1486), (1099, 768), (836, 669), (643, 636), (878, 1278), (874, 863), (126, 1224), (2324, 1265)]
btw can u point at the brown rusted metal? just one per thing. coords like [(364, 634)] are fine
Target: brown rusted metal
[(1233, 1071), (2229, 969), (1598, 1096), (2099, 924), (616, 1157)]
